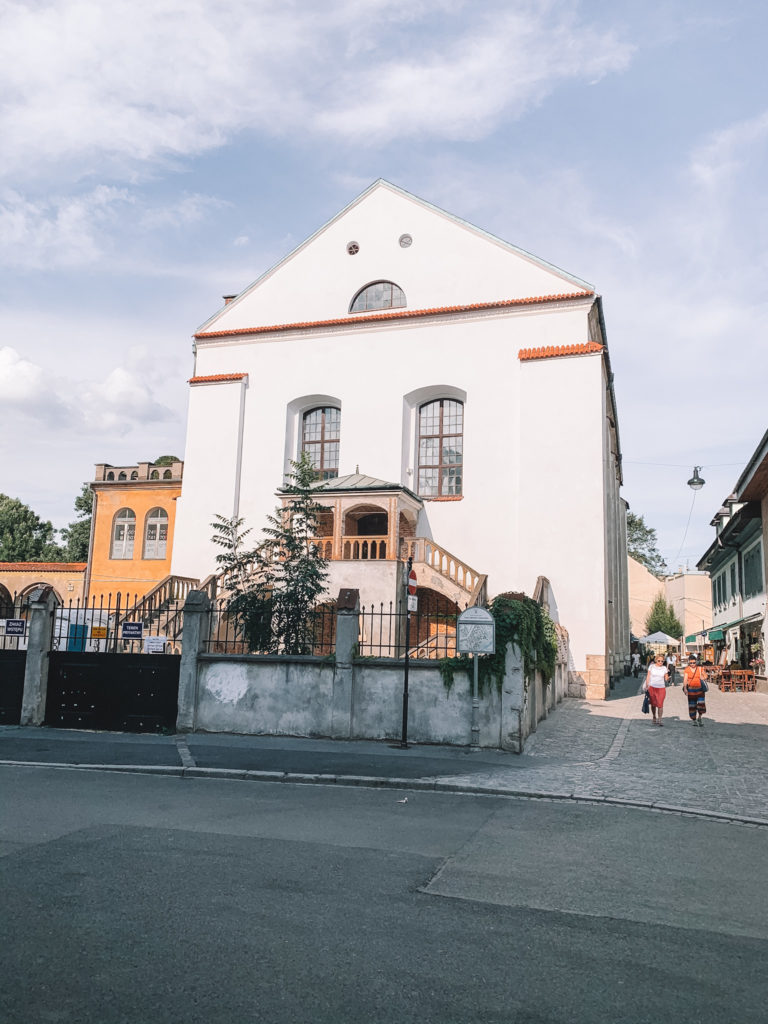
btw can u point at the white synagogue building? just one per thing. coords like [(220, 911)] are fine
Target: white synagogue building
[(455, 394)]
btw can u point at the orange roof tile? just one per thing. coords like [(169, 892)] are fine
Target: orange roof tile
[(43, 566), (216, 376), (549, 351), (400, 314)]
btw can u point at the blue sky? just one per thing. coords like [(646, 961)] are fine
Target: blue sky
[(157, 155)]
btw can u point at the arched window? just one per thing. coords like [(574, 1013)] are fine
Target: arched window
[(123, 533), (320, 439), (156, 533), (167, 475), (441, 445), (110, 475), (121, 476), (379, 295), (154, 475), (134, 475)]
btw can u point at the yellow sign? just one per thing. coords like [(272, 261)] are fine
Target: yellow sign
[(99, 632)]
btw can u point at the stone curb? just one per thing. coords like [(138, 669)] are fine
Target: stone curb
[(378, 782)]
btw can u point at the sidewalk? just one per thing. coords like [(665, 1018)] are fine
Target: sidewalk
[(596, 751)]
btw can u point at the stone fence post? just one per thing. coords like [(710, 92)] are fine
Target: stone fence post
[(513, 718), (347, 634), (42, 605), (197, 617)]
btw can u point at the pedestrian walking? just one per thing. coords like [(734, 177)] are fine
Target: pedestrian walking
[(672, 668), (694, 687), (635, 664), (656, 686)]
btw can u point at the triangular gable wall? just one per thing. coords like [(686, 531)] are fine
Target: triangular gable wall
[(449, 262)]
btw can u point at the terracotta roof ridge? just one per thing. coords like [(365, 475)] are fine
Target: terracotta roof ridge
[(399, 314), (43, 566), (551, 351), (216, 376)]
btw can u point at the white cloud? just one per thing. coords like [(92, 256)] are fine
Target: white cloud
[(56, 231), (116, 404), (94, 89), (719, 160)]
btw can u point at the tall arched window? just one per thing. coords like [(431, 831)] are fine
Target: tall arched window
[(441, 448), (123, 533), (320, 440), (156, 533), (379, 295)]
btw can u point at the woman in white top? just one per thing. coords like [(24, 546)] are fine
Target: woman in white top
[(656, 685)]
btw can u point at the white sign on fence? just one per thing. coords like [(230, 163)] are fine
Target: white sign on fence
[(475, 632), (155, 644)]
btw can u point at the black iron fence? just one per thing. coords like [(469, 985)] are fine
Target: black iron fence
[(431, 634), (233, 633), (119, 624)]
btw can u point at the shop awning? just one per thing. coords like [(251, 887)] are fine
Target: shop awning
[(716, 634)]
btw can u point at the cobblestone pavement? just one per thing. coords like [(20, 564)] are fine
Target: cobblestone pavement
[(610, 750)]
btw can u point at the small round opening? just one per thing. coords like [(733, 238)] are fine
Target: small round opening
[(405, 241), (353, 248)]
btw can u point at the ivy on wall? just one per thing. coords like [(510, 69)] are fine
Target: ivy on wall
[(519, 621)]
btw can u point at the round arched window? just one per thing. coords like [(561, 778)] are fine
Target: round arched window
[(156, 533), (123, 533)]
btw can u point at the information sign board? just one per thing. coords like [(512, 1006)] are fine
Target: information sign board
[(475, 632), (132, 630), (413, 603), (99, 632), (14, 627), (155, 644)]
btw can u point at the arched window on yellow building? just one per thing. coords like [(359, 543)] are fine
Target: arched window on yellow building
[(123, 533), (156, 533)]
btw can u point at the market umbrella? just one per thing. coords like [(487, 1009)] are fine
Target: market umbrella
[(659, 638)]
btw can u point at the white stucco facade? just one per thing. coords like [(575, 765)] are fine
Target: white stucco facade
[(541, 460)]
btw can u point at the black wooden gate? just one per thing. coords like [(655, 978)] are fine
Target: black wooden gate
[(12, 664), (113, 692)]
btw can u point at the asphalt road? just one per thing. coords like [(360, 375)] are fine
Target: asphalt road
[(134, 898)]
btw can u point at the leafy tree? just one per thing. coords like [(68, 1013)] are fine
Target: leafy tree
[(246, 584), (641, 544), (24, 536), (77, 535), (662, 617), (275, 585), (166, 460)]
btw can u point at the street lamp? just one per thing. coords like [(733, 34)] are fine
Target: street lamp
[(696, 482)]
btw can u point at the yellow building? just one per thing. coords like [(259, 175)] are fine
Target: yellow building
[(19, 579), (134, 511)]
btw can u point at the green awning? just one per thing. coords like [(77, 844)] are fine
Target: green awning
[(692, 638), (716, 634)]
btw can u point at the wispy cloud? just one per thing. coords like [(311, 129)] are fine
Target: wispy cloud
[(96, 89), (116, 404)]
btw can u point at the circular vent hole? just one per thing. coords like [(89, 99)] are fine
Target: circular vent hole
[(353, 248), (405, 241)]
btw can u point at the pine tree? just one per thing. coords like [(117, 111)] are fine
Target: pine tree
[(662, 618), (274, 586), (296, 569)]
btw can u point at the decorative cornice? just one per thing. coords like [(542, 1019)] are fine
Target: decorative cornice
[(400, 314), (552, 351)]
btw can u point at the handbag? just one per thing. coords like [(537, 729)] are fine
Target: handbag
[(646, 703)]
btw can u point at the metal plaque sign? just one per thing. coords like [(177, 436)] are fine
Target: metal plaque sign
[(413, 603), (132, 630), (99, 632), (155, 644), (14, 627), (476, 632)]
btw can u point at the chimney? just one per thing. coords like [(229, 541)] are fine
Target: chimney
[(228, 299)]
